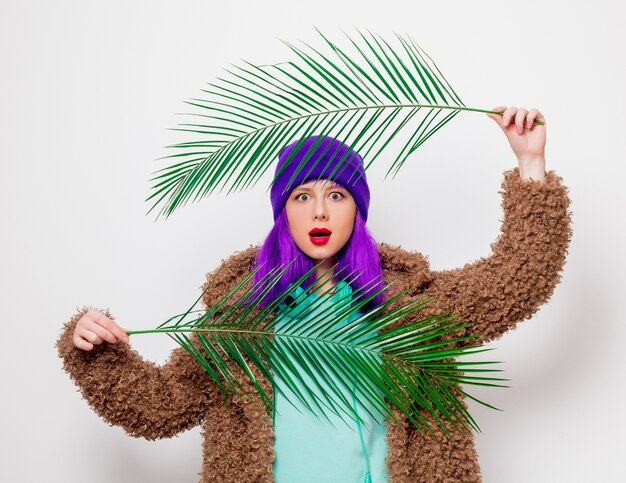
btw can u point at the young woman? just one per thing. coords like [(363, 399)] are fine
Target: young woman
[(325, 222)]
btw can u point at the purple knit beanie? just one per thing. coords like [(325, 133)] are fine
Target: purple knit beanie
[(319, 157)]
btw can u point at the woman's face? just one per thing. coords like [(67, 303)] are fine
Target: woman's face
[(321, 218)]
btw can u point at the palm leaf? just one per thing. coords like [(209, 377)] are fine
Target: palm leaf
[(365, 96), (410, 367)]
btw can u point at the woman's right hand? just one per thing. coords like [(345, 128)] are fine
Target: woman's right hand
[(93, 328)]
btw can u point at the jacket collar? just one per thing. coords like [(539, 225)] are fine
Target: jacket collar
[(404, 270)]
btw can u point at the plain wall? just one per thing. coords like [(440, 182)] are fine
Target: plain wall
[(87, 92)]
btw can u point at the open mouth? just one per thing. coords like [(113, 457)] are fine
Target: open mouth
[(319, 236)]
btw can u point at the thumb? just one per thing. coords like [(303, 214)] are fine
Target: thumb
[(125, 330), (497, 117)]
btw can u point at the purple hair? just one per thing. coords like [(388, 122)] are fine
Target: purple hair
[(358, 263)]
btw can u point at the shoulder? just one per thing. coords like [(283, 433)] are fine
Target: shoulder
[(230, 271), (408, 268)]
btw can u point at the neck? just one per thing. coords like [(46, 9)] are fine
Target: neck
[(324, 276)]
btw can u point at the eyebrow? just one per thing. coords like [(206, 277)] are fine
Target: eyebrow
[(329, 185)]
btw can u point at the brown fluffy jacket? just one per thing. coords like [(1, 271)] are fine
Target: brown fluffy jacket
[(494, 293)]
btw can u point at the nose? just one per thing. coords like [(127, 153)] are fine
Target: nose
[(320, 210)]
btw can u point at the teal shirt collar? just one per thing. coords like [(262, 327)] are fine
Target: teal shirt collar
[(300, 302)]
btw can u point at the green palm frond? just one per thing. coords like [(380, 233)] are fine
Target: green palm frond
[(410, 367), (364, 96)]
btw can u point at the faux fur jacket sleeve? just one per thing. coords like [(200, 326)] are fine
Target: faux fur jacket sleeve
[(143, 398), (496, 292)]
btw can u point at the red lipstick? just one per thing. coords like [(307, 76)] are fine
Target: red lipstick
[(319, 236)]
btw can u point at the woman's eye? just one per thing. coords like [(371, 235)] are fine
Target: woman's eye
[(302, 197), (336, 195)]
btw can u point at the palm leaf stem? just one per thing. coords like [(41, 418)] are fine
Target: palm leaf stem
[(343, 109), (392, 358)]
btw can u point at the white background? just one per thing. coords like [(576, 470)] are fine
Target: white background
[(87, 92)]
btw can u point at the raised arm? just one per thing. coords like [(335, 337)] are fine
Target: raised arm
[(143, 398), (498, 291)]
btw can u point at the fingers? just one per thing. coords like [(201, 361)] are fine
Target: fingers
[(89, 336), (101, 334), (503, 119), (93, 328), (533, 115), (81, 343), (519, 117), (111, 328), (508, 115)]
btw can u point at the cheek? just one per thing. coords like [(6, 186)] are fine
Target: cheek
[(296, 225), (347, 226)]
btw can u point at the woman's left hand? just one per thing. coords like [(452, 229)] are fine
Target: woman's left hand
[(528, 140)]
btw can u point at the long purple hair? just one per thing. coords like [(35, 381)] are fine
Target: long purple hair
[(358, 263)]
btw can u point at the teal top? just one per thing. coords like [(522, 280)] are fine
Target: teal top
[(311, 449)]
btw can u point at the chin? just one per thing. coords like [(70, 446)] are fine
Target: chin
[(319, 256), (319, 253)]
